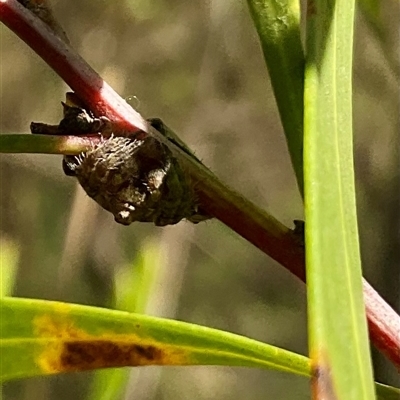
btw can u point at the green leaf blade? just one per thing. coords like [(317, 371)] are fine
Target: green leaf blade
[(133, 292), (278, 26), (49, 337), (35, 333), (339, 345)]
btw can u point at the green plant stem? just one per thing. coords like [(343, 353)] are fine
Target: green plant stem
[(46, 144)]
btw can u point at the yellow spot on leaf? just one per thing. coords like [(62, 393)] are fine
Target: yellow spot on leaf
[(69, 348), (322, 385)]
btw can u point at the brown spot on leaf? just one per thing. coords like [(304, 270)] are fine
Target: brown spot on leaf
[(69, 348), (84, 355), (321, 383), (311, 8)]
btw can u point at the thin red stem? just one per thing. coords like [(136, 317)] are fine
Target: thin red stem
[(383, 324), (239, 214), (82, 79)]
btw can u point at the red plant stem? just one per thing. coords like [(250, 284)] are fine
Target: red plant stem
[(239, 214), (383, 324), (96, 93)]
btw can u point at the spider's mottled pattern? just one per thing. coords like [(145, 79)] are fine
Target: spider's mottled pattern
[(136, 180)]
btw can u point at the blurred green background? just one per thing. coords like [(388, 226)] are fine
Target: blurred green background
[(198, 66)]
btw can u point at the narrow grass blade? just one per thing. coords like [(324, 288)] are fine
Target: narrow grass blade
[(9, 255), (371, 9), (41, 337), (133, 286), (385, 392), (278, 26), (339, 345)]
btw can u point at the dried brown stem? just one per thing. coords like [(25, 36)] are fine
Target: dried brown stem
[(255, 225)]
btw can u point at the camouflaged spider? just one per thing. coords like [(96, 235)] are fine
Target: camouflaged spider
[(135, 179)]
